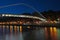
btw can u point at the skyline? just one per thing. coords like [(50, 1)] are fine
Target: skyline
[(40, 5)]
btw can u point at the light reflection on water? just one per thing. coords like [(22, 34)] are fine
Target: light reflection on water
[(39, 33)]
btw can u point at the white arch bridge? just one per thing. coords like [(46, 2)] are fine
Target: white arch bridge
[(13, 21), (37, 20)]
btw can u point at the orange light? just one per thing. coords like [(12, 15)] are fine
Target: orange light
[(20, 22)]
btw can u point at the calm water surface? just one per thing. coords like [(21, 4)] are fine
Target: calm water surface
[(41, 33)]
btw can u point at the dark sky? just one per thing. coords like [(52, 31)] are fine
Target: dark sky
[(40, 5)]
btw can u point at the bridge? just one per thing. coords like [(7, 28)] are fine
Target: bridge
[(19, 22), (23, 20), (15, 21), (11, 21), (20, 19), (38, 19)]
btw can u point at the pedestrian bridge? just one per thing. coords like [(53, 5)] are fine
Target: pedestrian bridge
[(19, 22), (23, 16), (20, 19), (13, 21)]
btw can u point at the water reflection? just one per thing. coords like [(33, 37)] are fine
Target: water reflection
[(37, 33), (51, 33)]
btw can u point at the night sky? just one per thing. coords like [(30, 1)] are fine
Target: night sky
[(40, 5)]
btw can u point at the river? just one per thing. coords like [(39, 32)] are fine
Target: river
[(39, 33)]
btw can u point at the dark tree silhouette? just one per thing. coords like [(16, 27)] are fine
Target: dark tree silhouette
[(53, 15)]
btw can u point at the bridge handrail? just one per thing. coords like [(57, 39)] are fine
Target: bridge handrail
[(11, 15)]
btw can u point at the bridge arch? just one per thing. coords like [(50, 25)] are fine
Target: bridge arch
[(25, 5)]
